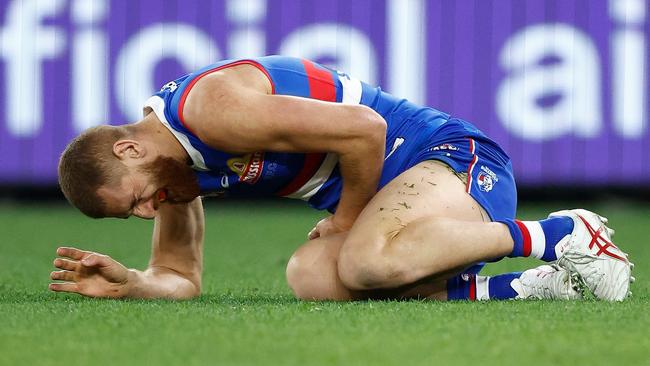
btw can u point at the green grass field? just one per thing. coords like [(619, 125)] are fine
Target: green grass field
[(247, 315)]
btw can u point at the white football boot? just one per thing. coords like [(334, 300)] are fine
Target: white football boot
[(588, 251), (547, 282)]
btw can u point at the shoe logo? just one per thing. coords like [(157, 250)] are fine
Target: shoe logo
[(561, 248), (398, 142), (598, 240)]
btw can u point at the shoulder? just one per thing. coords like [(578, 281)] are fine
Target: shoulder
[(205, 94), (223, 88), (206, 88), (218, 105)]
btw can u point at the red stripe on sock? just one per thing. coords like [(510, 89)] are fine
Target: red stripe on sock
[(472, 287), (528, 247)]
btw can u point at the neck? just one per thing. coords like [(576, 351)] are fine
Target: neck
[(150, 128)]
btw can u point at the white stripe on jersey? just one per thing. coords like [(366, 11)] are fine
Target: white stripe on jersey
[(157, 104), (317, 180), (351, 90)]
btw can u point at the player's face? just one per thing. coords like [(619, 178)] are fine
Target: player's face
[(144, 188), (135, 195)]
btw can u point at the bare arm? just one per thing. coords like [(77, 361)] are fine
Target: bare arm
[(239, 117), (176, 261), (174, 270)]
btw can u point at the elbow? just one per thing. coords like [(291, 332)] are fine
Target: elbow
[(194, 289), (191, 291), (173, 284), (373, 126), (194, 292)]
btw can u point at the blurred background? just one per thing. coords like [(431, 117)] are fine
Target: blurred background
[(561, 85)]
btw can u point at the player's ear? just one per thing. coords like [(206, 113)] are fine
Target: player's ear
[(128, 149)]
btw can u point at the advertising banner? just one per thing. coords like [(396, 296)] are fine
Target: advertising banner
[(562, 85)]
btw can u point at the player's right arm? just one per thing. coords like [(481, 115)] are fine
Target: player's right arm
[(174, 270)]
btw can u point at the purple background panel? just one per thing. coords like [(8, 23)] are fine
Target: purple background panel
[(467, 69)]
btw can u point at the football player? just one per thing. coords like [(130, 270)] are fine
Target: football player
[(419, 199)]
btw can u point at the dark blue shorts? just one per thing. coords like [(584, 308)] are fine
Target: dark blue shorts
[(478, 161)]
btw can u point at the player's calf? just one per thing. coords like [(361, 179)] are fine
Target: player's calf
[(426, 247)]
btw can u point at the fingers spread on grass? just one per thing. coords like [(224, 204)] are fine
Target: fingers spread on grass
[(66, 264), (63, 276), (72, 253), (64, 287)]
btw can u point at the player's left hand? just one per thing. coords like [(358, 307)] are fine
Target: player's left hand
[(89, 274), (326, 226)]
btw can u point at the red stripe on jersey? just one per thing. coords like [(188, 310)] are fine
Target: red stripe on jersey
[(309, 168), (321, 82), (526, 235), (470, 169), (472, 146), (189, 87)]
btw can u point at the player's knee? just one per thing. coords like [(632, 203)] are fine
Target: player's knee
[(307, 277), (297, 275), (370, 269)]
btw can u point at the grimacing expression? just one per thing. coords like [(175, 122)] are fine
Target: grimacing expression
[(143, 189)]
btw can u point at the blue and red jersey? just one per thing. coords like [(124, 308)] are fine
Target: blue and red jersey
[(313, 177)]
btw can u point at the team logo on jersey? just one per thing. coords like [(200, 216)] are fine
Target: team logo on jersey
[(486, 179), (444, 147), (171, 86), (248, 167)]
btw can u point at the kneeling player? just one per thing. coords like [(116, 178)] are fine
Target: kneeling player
[(419, 199)]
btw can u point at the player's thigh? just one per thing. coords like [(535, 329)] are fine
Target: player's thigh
[(430, 188)]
